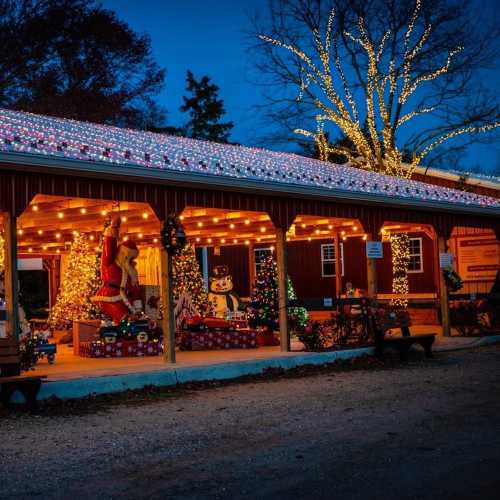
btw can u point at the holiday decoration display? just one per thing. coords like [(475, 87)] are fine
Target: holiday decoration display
[(173, 236), (389, 80), (119, 295), (140, 330), (222, 296), (216, 333), (55, 137), (120, 349), (79, 283), (187, 281), (264, 307), (400, 246)]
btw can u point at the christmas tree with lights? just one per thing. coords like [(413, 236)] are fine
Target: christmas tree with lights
[(80, 282), (264, 309), (188, 280)]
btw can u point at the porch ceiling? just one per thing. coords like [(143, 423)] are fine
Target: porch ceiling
[(48, 224)]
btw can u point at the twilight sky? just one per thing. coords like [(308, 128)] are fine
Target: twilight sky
[(207, 36)]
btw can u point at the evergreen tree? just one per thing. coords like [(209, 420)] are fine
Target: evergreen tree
[(206, 110), (79, 284), (77, 59), (187, 279), (264, 309)]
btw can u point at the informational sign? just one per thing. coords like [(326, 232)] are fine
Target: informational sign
[(445, 260), (35, 264), (374, 250), (327, 302), (478, 258)]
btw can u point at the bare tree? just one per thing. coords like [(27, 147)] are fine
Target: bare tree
[(371, 69)]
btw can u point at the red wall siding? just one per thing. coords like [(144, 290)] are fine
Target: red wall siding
[(304, 268), (419, 282)]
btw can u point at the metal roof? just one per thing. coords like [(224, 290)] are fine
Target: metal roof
[(27, 138)]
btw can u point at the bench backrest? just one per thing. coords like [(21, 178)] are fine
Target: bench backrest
[(394, 319), (10, 360)]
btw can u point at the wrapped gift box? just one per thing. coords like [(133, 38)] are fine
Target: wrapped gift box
[(121, 349), (216, 339)]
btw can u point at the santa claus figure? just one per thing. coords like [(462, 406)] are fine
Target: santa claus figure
[(119, 296)]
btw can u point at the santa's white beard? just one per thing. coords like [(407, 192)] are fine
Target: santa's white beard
[(125, 259)]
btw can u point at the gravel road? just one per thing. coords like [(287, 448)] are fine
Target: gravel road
[(429, 429)]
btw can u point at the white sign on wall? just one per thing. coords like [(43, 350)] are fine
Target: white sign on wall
[(35, 264), (445, 260), (374, 250)]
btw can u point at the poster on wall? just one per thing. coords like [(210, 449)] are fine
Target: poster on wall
[(478, 258)]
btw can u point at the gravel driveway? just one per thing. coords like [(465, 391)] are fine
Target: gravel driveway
[(429, 429)]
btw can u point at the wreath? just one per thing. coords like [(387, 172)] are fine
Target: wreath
[(173, 236)]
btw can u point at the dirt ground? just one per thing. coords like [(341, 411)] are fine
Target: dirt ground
[(429, 429)]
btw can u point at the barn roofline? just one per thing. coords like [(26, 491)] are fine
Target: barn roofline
[(40, 163)]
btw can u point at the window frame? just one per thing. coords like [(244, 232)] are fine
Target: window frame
[(420, 254), (255, 250), (330, 261)]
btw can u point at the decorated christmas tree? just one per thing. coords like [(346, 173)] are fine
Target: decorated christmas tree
[(264, 309), (80, 281), (188, 280)]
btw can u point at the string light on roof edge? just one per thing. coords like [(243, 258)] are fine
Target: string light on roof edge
[(69, 139)]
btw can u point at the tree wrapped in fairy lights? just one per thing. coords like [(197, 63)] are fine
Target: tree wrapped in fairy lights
[(385, 89), (400, 247), (264, 307), (188, 280), (80, 282)]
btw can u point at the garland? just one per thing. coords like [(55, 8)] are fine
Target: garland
[(173, 236)]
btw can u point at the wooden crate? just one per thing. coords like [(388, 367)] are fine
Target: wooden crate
[(9, 358), (85, 331)]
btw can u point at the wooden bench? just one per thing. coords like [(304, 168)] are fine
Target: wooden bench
[(401, 320), (28, 386), (10, 379)]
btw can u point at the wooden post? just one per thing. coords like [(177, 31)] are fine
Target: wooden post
[(168, 319), (11, 279), (338, 265), (371, 272), (443, 291), (281, 261)]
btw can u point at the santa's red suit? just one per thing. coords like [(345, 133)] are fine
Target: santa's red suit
[(119, 295)]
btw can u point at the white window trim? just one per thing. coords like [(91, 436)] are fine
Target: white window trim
[(421, 254), (270, 248), (323, 260)]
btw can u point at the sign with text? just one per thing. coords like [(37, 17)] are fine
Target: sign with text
[(478, 258), (445, 260), (35, 264), (374, 250)]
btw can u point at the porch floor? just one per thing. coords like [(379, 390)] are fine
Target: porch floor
[(68, 366)]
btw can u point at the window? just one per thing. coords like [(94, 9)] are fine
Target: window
[(416, 258), (328, 259), (260, 255)]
